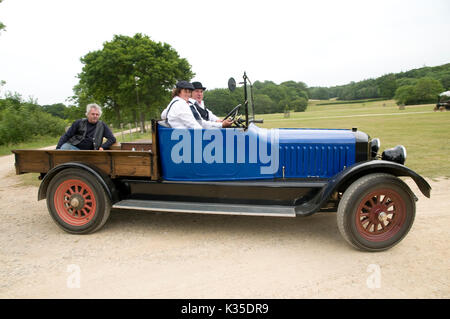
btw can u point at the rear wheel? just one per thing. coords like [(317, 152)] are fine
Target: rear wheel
[(376, 212), (77, 201)]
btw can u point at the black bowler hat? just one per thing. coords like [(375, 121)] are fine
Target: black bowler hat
[(185, 85), (198, 85)]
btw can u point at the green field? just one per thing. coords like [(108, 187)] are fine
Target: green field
[(37, 142), (424, 133)]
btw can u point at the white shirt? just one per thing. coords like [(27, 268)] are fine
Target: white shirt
[(180, 115)]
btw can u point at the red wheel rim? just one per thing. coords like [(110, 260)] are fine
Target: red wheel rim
[(75, 202), (380, 215)]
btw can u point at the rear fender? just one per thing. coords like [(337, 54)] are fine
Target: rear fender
[(104, 179)]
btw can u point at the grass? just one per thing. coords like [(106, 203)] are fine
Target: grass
[(134, 136), (424, 133), (36, 142)]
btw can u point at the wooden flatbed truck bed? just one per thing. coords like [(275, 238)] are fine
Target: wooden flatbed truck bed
[(135, 159), (114, 163)]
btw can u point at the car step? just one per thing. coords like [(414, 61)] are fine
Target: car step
[(206, 208)]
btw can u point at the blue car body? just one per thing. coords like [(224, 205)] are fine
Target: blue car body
[(254, 154)]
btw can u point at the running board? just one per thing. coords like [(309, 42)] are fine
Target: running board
[(206, 208)]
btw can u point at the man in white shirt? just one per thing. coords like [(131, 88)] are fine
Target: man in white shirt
[(180, 113)]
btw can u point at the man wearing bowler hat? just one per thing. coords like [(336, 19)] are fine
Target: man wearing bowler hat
[(209, 120), (179, 113), (182, 114)]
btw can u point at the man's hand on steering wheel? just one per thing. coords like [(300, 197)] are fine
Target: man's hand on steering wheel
[(232, 117), (227, 123)]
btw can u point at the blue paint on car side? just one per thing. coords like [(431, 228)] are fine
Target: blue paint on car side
[(315, 152), (257, 153)]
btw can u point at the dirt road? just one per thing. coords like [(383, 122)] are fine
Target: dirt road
[(167, 255)]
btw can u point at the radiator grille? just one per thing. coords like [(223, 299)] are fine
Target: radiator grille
[(314, 160)]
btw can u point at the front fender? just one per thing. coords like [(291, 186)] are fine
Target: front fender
[(349, 175), (104, 179), (342, 180)]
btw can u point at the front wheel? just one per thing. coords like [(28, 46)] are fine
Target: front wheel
[(376, 212), (77, 202)]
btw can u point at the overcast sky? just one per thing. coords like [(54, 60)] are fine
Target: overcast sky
[(319, 42)]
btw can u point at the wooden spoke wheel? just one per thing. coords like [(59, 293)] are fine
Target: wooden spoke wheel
[(77, 201), (376, 212), (380, 215)]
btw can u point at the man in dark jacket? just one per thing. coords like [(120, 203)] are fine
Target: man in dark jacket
[(88, 133)]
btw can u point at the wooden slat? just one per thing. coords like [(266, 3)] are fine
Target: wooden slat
[(115, 146), (138, 146), (155, 169), (112, 162), (98, 160), (132, 165), (33, 161)]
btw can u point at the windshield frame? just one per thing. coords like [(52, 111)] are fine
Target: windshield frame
[(249, 101)]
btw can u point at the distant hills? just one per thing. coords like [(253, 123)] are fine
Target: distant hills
[(384, 86)]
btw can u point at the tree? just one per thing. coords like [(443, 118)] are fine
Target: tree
[(264, 104), (273, 91), (319, 93), (427, 90), (221, 101), (404, 95), (387, 85), (58, 110), (424, 91), (2, 26), (268, 97), (74, 112), (445, 80), (406, 81), (24, 120), (299, 105), (2, 82), (298, 86), (131, 75)]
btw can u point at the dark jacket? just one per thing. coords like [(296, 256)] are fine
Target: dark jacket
[(87, 136)]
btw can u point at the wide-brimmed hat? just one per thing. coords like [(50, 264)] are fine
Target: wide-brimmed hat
[(198, 85), (185, 85)]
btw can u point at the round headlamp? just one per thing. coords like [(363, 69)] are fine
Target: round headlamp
[(396, 154), (375, 147)]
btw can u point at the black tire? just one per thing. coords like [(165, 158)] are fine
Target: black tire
[(79, 187), (376, 212)]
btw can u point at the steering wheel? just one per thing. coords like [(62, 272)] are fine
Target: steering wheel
[(233, 113)]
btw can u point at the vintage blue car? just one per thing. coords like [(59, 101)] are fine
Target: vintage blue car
[(244, 170)]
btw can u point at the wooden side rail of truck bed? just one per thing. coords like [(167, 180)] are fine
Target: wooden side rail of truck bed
[(120, 161), (114, 163)]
